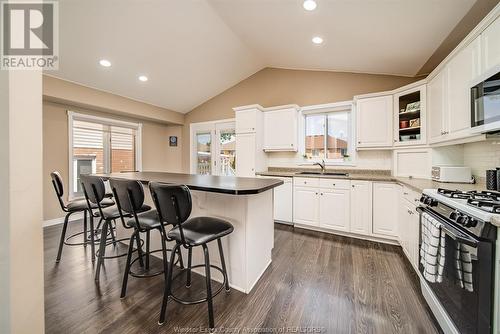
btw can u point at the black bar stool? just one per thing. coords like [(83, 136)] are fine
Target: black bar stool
[(174, 205), (70, 208), (129, 196), (94, 191)]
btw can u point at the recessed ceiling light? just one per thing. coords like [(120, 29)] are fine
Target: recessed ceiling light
[(317, 40), (143, 78), (105, 62), (309, 5)]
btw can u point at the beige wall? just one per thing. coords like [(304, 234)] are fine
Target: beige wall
[(272, 86), (156, 153)]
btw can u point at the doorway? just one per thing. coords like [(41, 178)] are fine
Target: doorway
[(213, 148)]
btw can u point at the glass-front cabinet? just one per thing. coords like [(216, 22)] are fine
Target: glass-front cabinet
[(410, 117)]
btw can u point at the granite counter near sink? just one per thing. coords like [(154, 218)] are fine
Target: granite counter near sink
[(374, 175)]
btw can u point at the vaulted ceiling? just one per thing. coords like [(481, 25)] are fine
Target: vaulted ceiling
[(191, 50)]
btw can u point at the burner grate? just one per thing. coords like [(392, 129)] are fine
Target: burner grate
[(457, 193), (485, 205)]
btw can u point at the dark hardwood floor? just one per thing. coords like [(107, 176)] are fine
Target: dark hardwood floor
[(326, 283)]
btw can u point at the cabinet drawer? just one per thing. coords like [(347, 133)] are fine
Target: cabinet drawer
[(334, 183), (306, 182), (411, 196)]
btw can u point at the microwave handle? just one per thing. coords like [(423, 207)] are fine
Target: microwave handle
[(451, 231)]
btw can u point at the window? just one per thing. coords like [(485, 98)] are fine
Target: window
[(328, 135), (99, 145)]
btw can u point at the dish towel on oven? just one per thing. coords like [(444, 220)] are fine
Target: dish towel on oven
[(463, 266), (432, 253)]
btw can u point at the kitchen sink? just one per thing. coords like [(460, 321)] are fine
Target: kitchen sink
[(325, 173)]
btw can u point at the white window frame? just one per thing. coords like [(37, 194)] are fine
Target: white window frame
[(214, 128), (326, 109), (72, 116)]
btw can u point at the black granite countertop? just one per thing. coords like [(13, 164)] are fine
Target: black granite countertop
[(217, 184)]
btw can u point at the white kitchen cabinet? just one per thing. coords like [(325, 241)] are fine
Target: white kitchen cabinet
[(462, 70), (374, 118), (361, 207), (283, 201), (385, 212), (281, 129), (409, 230), (306, 205), (334, 209), (412, 162), (246, 120), (490, 48), (245, 163), (410, 134), (437, 106)]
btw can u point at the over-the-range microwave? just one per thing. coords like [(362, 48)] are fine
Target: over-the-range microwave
[(485, 105)]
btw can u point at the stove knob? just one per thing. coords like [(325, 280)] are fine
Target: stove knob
[(423, 198), (434, 202), (462, 220), (471, 223), (428, 201), (454, 215)]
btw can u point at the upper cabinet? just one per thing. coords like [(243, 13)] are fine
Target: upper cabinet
[(436, 102), (247, 119), (281, 129), (449, 96), (410, 117), (461, 71), (490, 48), (374, 122)]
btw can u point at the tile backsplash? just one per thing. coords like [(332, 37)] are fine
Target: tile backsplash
[(481, 156)]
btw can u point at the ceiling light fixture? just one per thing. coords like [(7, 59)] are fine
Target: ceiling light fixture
[(105, 63), (143, 78), (317, 40), (309, 5)]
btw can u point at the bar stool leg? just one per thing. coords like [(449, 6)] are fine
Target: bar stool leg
[(127, 266), (63, 236), (190, 258), (223, 263), (209, 289), (102, 249), (147, 249), (85, 228), (168, 282), (92, 239)]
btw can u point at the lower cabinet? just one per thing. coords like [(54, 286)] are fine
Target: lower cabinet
[(385, 209), (306, 206), (334, 209), (409, 222), (361, 207)]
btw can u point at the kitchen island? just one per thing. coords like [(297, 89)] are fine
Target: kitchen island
[(247, 203)]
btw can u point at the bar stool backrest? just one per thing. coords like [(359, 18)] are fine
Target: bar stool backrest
[(129, 194), (93, 188), (58, 187), (173, 203)]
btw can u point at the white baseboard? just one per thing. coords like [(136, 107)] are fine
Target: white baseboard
[(57, 221)]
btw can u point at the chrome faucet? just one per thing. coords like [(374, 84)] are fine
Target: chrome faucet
[(321, 164)]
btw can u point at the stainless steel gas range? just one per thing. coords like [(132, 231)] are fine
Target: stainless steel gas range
[(459, 285)]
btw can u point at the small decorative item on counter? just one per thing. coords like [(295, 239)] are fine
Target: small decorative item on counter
[(404, 124), (402, 110), (414, 123), (491, 179)]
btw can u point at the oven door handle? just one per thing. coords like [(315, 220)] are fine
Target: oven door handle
[(451, 231)]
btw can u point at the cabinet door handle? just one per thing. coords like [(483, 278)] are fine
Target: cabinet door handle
[(321, 194), (352, 186), (406, 194), (359, 142), (317, 194)]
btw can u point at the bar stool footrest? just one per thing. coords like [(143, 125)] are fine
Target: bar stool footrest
[(203, 300), (119, 255)]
